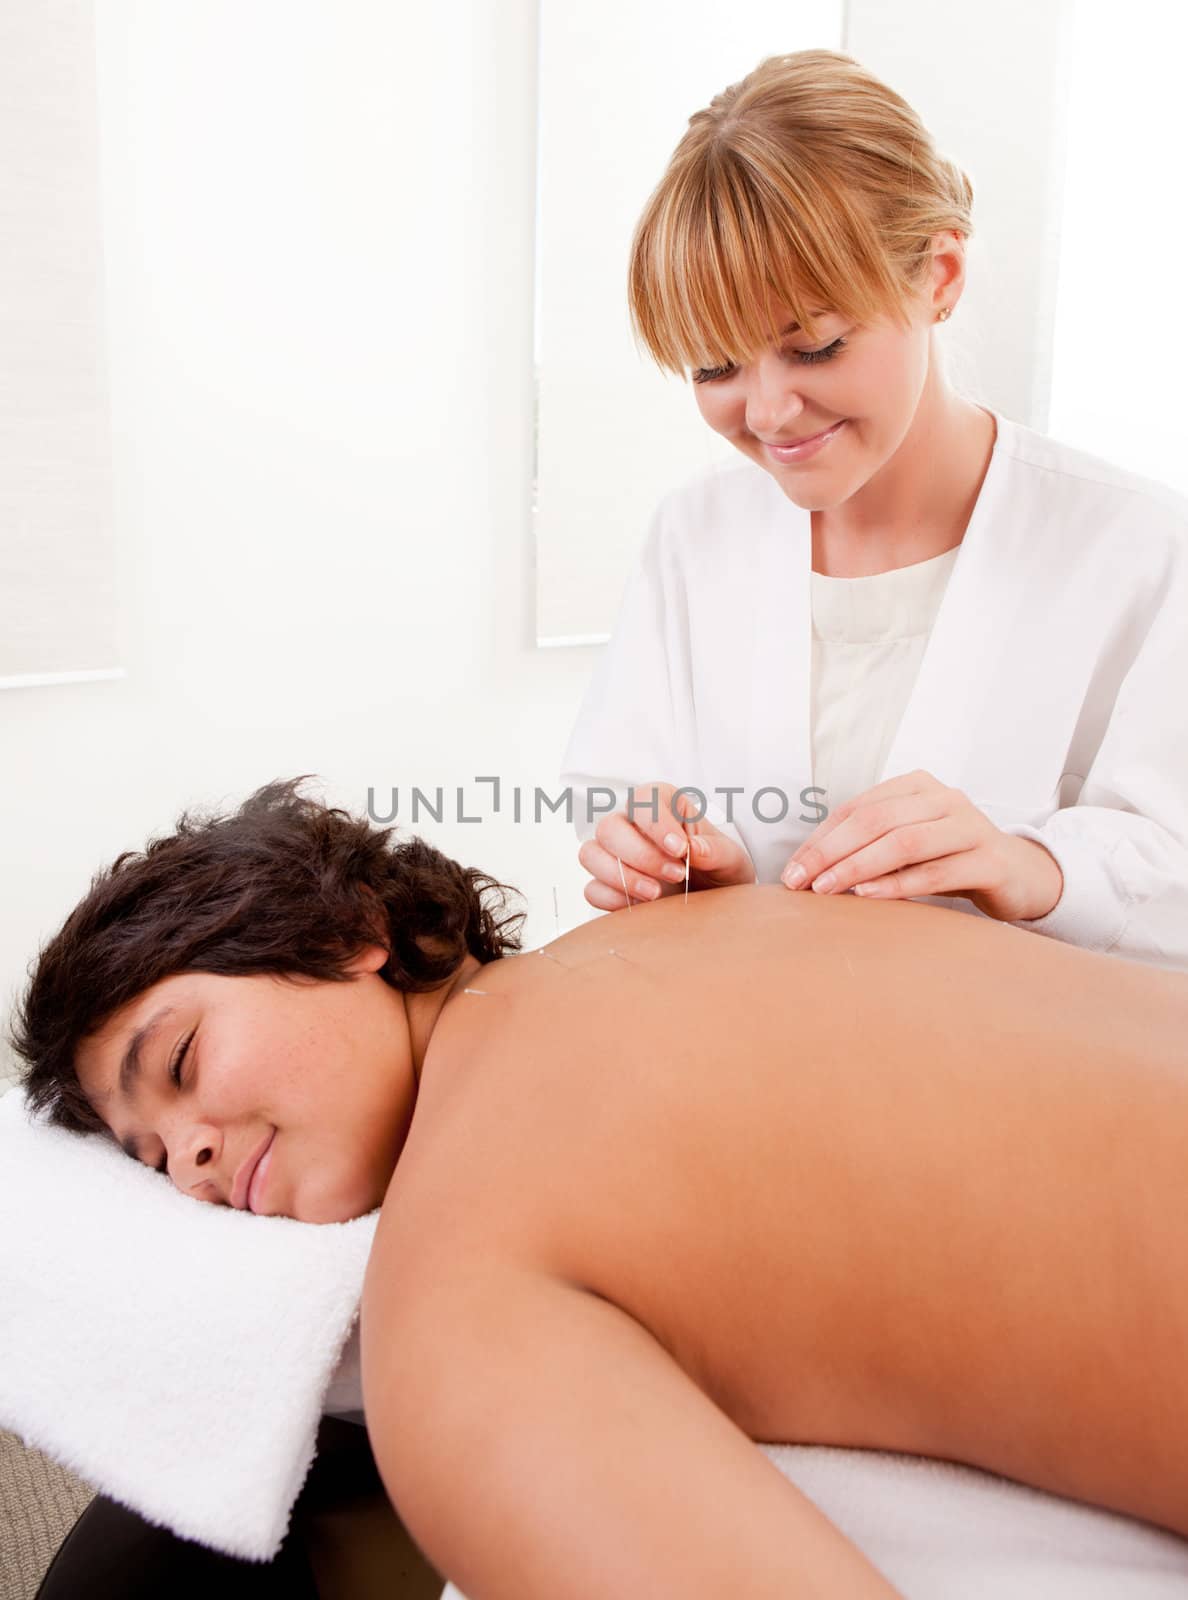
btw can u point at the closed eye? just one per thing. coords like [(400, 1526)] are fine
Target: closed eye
[(175, 1072), (827, 354), (806, 357), (176, 1065)]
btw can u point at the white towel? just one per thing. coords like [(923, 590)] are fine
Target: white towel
[(175, 1355), (938, 1531)]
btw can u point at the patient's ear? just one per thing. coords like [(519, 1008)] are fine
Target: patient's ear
[(370, 959), (372, 956)]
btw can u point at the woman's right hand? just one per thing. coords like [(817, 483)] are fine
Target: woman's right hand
[(644, 844)]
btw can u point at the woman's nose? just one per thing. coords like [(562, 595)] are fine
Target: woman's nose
[(772, 400)]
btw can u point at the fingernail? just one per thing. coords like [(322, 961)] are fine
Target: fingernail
[(824, 883), (648, 889), (793, 875), (699, 845), (673, 871), (674, 844)]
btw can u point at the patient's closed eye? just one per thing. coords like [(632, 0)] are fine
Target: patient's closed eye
[(175, 1071), (176, 1067)]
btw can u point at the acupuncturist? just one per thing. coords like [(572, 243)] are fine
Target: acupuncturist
[(905, 646)]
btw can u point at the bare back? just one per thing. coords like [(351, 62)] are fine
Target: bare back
[(877, 1175)]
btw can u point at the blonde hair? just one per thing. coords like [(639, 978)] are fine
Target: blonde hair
[(810, 183)]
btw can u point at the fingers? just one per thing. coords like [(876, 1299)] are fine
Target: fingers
[(947, 875), (914, 844), (638, 847), (672, 821), (604, 898), (618, 872), (628, 863), (906, 783), (624, 839), (892, 818), (717, 860), (658, 814), (640, 853)]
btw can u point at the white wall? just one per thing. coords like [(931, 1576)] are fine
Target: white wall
[(318, 271), (57, 602), (613, 432), (1120, 343), (990, 82)]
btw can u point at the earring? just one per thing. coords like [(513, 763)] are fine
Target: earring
[(944, 314)]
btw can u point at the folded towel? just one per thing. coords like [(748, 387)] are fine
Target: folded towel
[(939, 1531), (175, 1355)]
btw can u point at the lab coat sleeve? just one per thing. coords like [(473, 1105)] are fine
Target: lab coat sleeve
[(637, 721), (1123, 846)]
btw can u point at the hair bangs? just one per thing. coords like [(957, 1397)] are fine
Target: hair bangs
[(721, 258)]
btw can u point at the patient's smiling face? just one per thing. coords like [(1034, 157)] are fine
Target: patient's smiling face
[(326, 1067)]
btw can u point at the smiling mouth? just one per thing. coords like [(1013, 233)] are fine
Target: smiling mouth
[(243, 1178), (801, 450), (789, 444)]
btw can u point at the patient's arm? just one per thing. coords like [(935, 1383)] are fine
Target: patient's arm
[(537, 1441)]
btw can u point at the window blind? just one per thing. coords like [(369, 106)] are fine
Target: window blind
[(57, 578)]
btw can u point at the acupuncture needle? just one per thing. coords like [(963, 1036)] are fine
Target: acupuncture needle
[(623, 881)]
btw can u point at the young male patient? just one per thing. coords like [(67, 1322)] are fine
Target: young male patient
[(757, 1166)]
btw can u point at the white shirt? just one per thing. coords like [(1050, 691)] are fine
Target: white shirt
[(1052, 689), (869, 636)]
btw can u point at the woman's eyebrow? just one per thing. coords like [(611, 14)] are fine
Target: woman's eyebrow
[(131, 1064)]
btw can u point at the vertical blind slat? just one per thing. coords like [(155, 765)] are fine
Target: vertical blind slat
[(57, 584)]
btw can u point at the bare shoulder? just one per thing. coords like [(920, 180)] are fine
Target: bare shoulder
[(471, 1185)]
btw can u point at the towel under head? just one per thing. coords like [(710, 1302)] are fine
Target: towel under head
[(176, 1355)]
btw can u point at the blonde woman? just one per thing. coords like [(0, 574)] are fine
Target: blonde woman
[(906, 647)]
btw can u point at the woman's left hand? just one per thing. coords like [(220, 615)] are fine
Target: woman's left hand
[(912, 836)]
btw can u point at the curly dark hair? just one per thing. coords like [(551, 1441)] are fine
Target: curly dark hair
[(285, 885)]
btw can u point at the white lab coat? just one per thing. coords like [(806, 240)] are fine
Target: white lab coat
[(1053, 690)]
